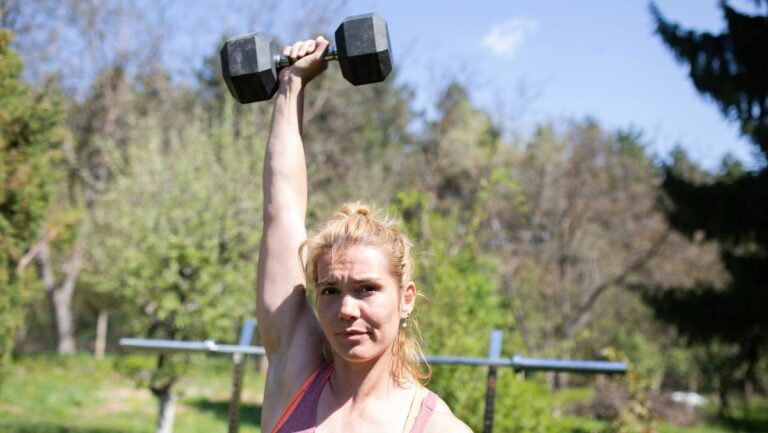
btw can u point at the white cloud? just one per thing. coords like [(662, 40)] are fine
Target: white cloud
[(505, 39)]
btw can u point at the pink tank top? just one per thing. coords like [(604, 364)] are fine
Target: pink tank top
[(301, 413)]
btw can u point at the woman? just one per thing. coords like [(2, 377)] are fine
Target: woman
[(351, 367)]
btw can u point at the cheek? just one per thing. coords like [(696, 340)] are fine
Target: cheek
[(384, 311), (325, 310)]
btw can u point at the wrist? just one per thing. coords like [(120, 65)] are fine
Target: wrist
[(292, 82)]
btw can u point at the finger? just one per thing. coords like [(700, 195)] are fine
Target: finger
[(305, 48), (295, 50), (311, 46), (287, 51)]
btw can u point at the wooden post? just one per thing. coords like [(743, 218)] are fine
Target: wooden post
[(246, 335), (100, 346)]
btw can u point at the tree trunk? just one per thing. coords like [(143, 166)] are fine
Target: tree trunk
[(65, 328), (99, 347), (693, 382), (60, 296), (166, 414), (722, 391)]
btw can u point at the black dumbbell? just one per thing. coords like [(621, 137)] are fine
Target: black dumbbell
[(250, 64)]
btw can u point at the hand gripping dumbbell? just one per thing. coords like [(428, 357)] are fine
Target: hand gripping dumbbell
[(250, 64)]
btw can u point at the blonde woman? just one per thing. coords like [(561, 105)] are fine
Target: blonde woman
[(353, 366)]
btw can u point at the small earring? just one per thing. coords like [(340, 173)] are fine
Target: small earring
[(405, 321)]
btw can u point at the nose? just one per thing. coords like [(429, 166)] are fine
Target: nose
[(349, 309)]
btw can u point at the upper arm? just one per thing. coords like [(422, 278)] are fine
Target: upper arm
[(289, 329), (282, 309)]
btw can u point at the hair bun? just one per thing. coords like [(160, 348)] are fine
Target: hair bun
[(356, 208)]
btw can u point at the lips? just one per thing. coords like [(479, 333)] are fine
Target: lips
[(352, 334)]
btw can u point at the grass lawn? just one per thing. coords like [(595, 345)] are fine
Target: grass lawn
[(52, 394), (82, 395)]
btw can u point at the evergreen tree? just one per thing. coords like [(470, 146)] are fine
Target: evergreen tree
[(731, 68), (28, 151)]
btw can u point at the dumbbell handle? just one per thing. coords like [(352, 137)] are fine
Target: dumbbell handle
[(282, 61)]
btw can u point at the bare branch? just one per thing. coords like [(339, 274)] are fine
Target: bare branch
[(36, 249), (583, 315)]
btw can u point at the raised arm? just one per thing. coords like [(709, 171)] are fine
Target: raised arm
[(281, 307)]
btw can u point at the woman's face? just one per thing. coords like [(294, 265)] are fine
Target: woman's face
[(359, 303)]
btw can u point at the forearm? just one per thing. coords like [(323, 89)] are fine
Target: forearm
[(285, 173)]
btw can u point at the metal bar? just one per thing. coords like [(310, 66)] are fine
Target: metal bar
[(520, 363), (464, 360), (281, 61), (494, 354), (189, 346), (493, 361)]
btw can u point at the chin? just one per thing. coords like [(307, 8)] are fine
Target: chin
[(358, 354)]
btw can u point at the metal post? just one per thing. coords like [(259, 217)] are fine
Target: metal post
[(494, 355), (246, 335)]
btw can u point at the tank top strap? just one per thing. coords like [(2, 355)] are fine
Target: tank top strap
[(301, 413), (428, 406)]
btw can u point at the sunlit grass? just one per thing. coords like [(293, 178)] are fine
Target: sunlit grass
[(82, 395)]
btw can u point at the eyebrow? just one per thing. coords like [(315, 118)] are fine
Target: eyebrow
[(364, 279)]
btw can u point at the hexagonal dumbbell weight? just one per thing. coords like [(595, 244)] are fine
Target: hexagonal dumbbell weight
[(250, 64)]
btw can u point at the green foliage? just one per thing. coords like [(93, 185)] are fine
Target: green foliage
[(174, 239), (637, 416), (29, 151), (461, 308), (645, 354), (524, 405)]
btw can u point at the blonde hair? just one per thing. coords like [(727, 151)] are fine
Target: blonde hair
[(355, 224)]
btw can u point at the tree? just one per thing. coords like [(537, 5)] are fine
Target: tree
[(29, 151), (175, 236), (77, 45), (575, 226), (731, 69)]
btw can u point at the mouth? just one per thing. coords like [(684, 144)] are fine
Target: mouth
[(352, 334)]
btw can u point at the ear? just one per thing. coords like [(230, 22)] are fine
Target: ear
[(407, 300)]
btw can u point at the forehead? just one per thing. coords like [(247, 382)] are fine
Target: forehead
[(355, 261)]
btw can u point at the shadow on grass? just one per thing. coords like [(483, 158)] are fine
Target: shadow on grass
[(250, 414), (33, 427), (746, 424)]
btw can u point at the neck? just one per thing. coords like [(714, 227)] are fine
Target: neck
[(356, 380)]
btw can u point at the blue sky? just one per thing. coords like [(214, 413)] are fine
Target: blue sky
[(533, 61)]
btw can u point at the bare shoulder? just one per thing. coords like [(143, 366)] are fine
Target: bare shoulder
[(444, 421)]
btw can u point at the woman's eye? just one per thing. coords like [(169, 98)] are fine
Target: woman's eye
[(329, 291), (368, 289)]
